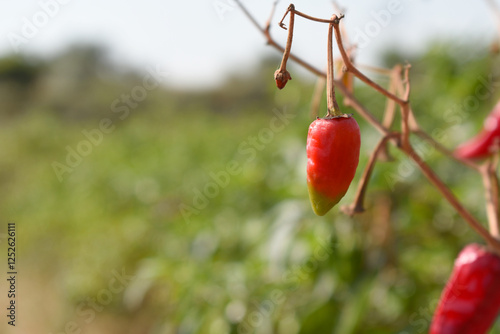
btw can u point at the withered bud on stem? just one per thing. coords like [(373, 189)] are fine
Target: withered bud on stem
[(281, 78), (282, 75)]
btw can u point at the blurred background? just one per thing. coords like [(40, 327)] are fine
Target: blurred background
[(156, 176)]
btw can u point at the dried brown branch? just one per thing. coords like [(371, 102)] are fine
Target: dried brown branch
[(495, 192), (401, 140), (378, 70), (282, 75), (358, 205), (401, 81), (490, 182), (390, 108), (406, 82), (333, 107), (270, 19), (348, 81), (350, 67), (355, 103), (361, 109), (388, 118), (271, 42), (312, 18), (450, 197), (414, 127)]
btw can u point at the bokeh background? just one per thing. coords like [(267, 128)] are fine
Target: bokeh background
[(156, 176)]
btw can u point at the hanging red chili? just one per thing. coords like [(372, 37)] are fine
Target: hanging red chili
[(333, 145), (470, 301)]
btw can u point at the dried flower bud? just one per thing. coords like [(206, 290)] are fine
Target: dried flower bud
[(281, 78)]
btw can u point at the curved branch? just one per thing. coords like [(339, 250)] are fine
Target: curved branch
[(490, 182), (350, 67), (358, 205), (446, 192)]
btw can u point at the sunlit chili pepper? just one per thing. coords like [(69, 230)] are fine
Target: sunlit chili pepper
[(470, 301), (333, 145)]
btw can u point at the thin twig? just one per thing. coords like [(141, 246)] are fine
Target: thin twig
[(249, 16), (348, 81), (414, 127), (383, 71), (350, 49), (406, 82), (282, 75), (333, 107), (402, 86), (269, 20), (291, 10), (390, 107), (368, 116), (361, 109), (350, 67), (446, 192), (405, 107), (312, 18), (495, 192), (358, 205), (490, 182), (388, 118)]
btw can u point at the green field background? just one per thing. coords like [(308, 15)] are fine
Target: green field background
[(190, 212)]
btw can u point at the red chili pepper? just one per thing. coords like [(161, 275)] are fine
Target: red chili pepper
[(487, 142), (470, 301), (332, 158)]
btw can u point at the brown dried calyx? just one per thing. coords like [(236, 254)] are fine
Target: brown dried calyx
[(282, 78)]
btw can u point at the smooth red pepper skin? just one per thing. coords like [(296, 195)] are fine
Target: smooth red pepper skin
[(470, 301), (487, 142), (332, 158)]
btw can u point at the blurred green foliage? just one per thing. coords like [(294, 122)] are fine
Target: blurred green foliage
[(201, 196)]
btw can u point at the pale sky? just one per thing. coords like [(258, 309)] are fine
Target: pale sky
[(201, 41)]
